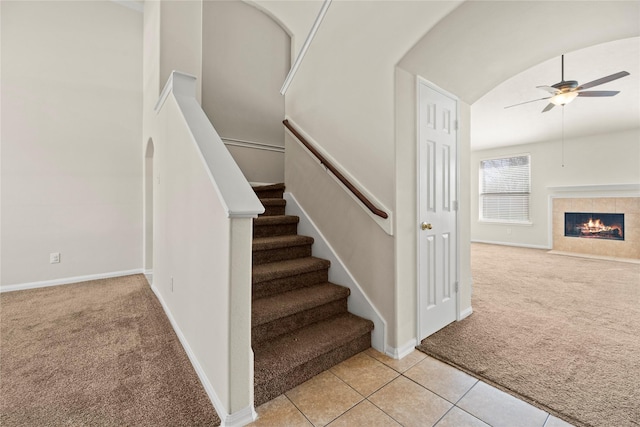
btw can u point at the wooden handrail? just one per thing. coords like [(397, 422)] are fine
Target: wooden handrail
[(336, 172)]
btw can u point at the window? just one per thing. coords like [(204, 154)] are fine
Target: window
[(504, 189)]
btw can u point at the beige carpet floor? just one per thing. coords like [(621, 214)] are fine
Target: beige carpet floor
[(560, 332), (99, 353)]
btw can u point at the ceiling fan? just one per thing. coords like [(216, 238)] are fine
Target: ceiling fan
[(566, 91)]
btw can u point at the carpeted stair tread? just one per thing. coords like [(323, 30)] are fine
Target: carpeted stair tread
[(271, 308), (287, 268), (269, 191), (277, 242), (275, 225), (276, 220), (278, 186), (280, 247), (273, 206), (276, 357), (273, 201)]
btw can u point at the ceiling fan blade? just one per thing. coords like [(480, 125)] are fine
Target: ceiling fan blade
[(527, 102), (548, 107), (603, 80), (594, 93), (551, 90)]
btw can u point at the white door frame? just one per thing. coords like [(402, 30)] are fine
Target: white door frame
[(423, 81)]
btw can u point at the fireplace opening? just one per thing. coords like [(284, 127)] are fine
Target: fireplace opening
[(594, 225)]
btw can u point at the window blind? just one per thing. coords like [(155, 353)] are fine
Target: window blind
[(505, 185)]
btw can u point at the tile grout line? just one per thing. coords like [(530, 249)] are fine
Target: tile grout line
[(443, 415), (348, 385), (299, 410), (466, 392), (374, 392), (384, 412), (464, 410)]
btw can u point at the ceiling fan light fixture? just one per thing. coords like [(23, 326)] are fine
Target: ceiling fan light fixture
[(563, 98)]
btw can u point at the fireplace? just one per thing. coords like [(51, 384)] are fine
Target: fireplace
[(594, 225), (572, 234)]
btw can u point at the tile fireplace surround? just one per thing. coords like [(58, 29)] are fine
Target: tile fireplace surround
[(627, 248)]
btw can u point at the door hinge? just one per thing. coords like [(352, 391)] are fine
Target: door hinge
[(456, 286), (455, 205), (456, 124)]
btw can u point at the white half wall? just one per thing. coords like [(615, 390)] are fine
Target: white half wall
[(71, 130)]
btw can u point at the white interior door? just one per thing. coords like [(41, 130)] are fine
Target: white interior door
[(437, 210)]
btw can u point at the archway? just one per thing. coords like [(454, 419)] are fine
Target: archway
[(486, 43)]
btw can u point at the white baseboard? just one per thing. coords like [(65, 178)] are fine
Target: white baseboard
[(241, 418), (400, 352), (465, 313), (148, 274), (68, 280), (237, 419), (518, 245)]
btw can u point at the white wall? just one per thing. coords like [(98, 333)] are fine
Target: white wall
[(594, 160), (150, 94), (246, 57), (181, 40), (343, 93), (71, 129)]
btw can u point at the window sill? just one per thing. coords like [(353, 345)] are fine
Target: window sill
[(504, 222)]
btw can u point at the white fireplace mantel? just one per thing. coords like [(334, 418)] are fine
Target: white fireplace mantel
[(596, 188)]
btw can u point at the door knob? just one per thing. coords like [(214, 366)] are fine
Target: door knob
[(426, 226)]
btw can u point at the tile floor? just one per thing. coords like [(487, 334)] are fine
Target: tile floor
[(371, 389)]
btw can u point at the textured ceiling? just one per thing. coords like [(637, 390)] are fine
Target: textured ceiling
[(493, 126)]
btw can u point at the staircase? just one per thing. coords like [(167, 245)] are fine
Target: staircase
[(300, 323)]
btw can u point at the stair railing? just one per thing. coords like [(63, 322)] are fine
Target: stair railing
[(323, 160)]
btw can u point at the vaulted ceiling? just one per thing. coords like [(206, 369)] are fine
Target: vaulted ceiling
[(493, 126)]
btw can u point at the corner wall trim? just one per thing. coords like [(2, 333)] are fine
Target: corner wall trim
[(68, 280), (237, 419), (400, 352)]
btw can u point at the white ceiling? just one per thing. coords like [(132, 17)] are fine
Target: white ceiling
[(494, 126)]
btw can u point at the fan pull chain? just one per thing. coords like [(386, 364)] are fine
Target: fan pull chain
[(562, 135)]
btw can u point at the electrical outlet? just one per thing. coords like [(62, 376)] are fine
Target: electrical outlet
[(54, 257), (508, 231)]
